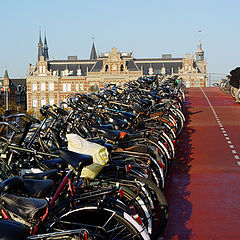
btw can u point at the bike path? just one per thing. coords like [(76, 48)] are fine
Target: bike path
[(203, 187)]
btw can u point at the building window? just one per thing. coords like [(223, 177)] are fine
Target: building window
[(114, 67), (54, 73), (43, 87), (64, 87), (34, 103), (51, 86), (81, 86), (69, 87), (196, 84), (44, 69), (188, 84), (51, 101), (121, 68), (34, 87), (40, 69), (77, 87), (106, 68), (43, 102), (66, 72)]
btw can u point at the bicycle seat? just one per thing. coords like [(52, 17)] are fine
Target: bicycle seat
[(112, 135), (31, 187), (38, 188), (27, 208), (98, 141), (76, 160), (11, 230), (56, 163), (52, 174), (12, 185)]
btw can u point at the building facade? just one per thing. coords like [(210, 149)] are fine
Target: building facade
[(12, 93), (52, 81)]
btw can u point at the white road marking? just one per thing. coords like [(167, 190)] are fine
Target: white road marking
[(222, 128)]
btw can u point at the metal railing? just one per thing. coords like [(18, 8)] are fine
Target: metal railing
[(215, 78)]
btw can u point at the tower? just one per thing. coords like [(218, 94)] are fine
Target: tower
[(45, 49), (199, 52), (40, 46), (93, 54), (200, 61), (6, 81)]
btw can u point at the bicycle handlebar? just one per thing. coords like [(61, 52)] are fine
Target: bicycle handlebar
[(15, 129), (32, 119)]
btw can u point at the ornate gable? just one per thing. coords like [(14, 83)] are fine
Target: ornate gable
[(113, 63)]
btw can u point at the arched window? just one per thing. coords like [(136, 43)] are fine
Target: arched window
[(121, 69), (106, 68)]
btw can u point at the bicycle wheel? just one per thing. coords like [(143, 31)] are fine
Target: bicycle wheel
[(160, 215), (116, 224)]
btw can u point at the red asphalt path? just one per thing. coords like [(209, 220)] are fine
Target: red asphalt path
[(203, 187)]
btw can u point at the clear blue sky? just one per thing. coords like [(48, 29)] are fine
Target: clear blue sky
[(148, 27)]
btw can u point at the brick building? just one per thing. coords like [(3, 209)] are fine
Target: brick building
[(12, 92), (52, 81)]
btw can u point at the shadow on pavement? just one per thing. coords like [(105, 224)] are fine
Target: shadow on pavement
[(180, 209)]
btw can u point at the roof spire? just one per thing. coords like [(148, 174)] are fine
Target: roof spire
[(45, 49), (93, 54), (40, 46), (40, 39), (6, 73)]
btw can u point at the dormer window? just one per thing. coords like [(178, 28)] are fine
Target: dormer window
[(79, 72), (66, 72)]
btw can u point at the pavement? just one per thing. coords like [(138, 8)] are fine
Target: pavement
[(203, 187)]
